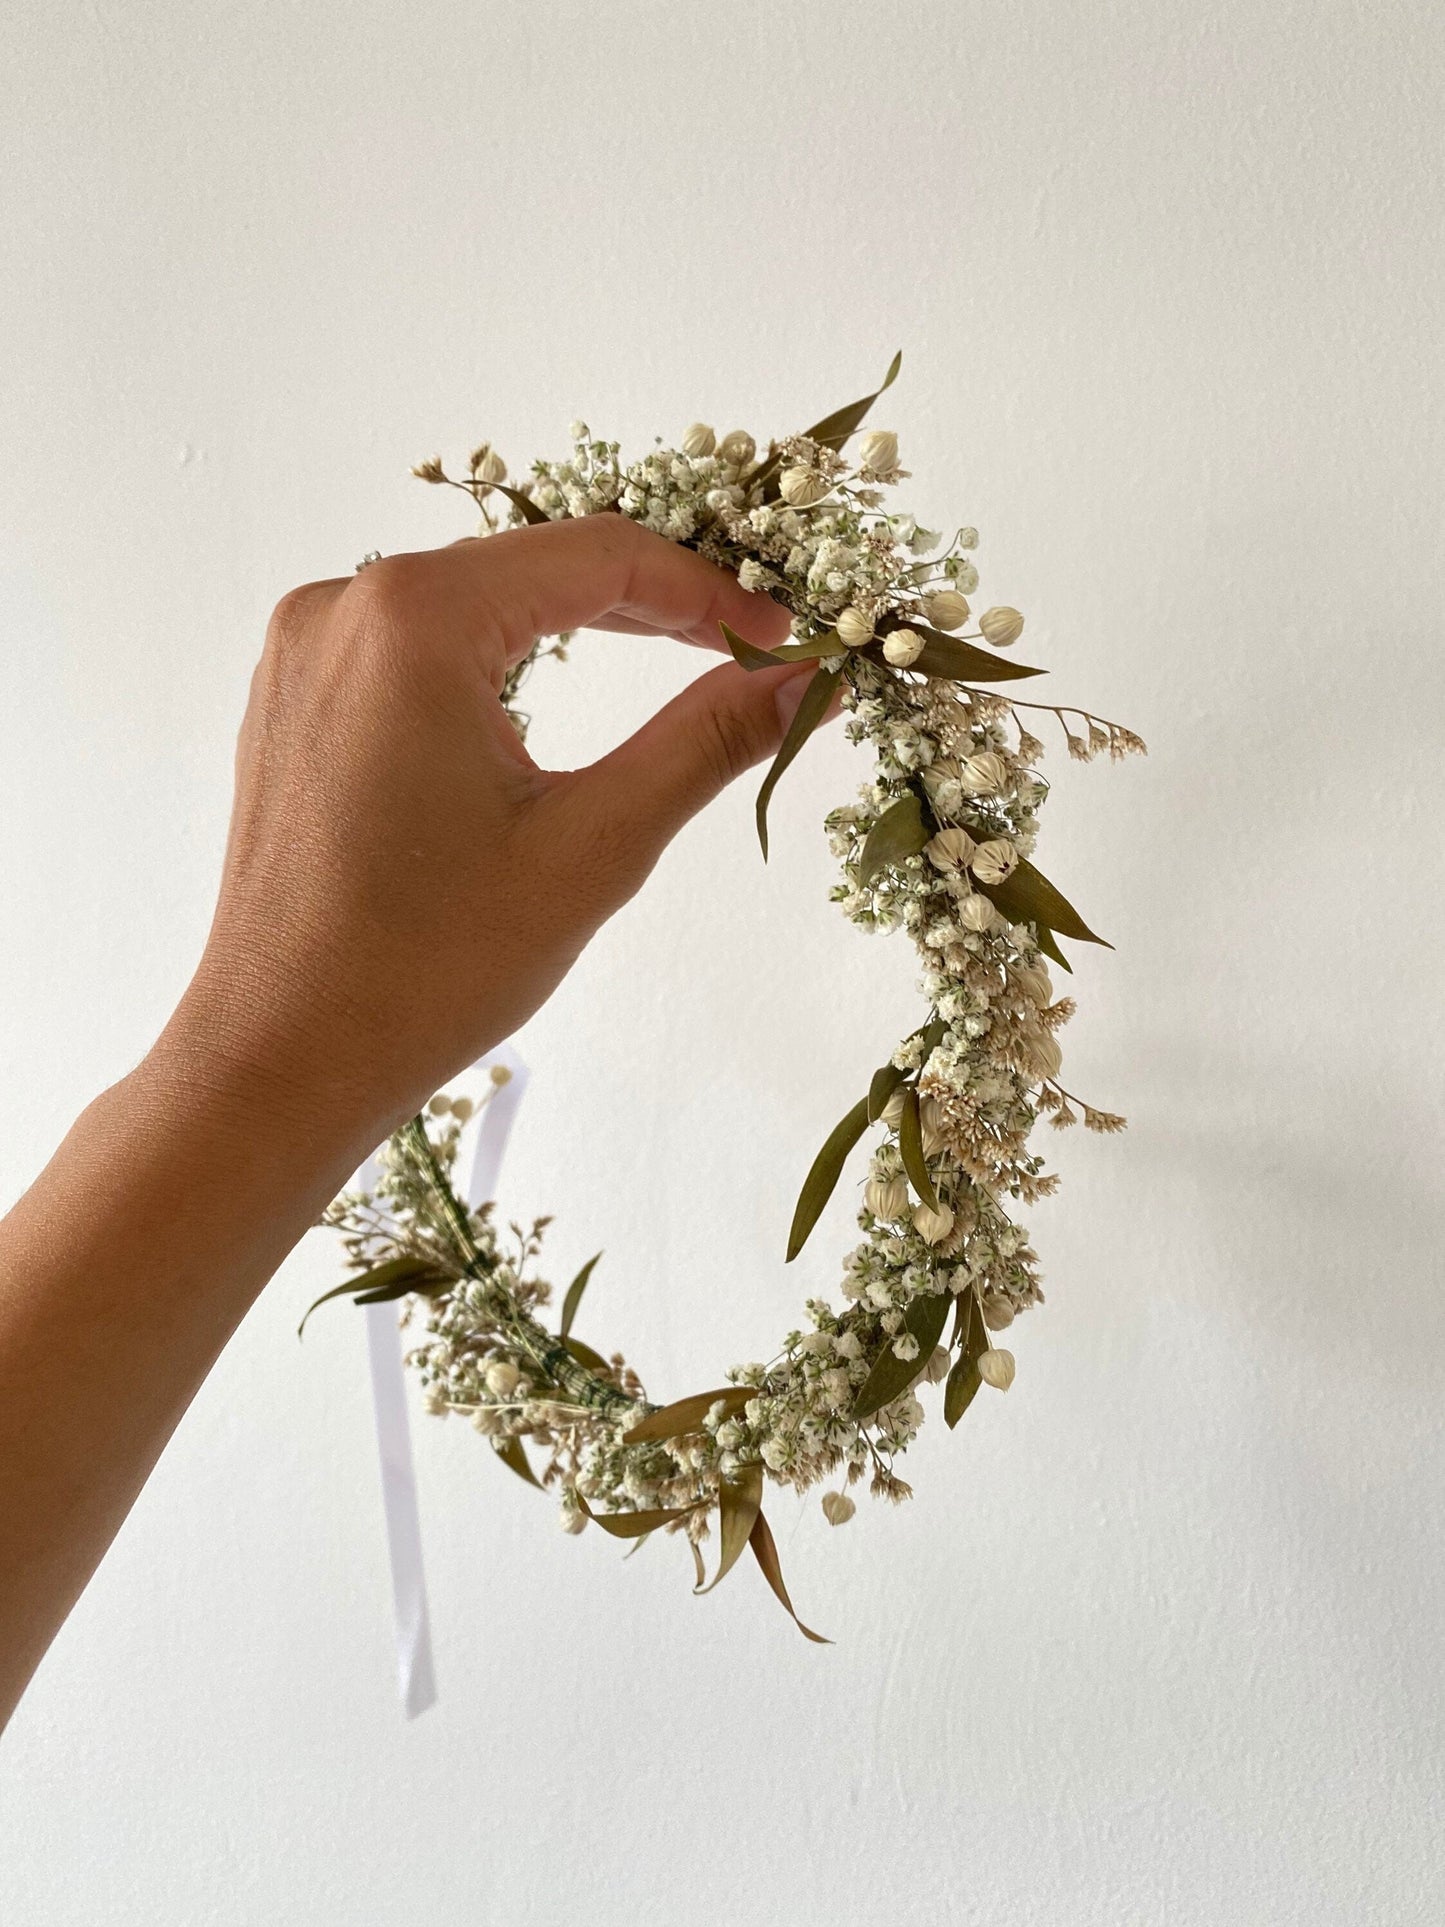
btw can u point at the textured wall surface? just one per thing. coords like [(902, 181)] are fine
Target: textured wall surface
[(1158, 1640)]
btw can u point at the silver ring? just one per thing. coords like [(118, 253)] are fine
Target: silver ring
[(372, 555)]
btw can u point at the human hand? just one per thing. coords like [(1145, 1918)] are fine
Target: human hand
[(403, 886)]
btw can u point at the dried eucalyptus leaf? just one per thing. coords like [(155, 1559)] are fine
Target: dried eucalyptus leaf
[(891, 1375), (963, 1380), (512, 1455), (632, 1525), (884, 1083), (1029, 897), (951, 658), (574, 1295), (584, 1355), (827, 1168), (1048, 943), (738, 1502), (745, 652), (809, 714), (835, 429), (394, 1279), (897, 835), (687, 1414), (530, 511), (765, 1552), (910, 1144)]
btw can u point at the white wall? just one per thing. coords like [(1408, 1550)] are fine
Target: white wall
[(1159, 1639)]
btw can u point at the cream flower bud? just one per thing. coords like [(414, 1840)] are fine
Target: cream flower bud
[(838, 1508), (903, 647), (854, 626), (571, 1518), (487, 464), (1045, 1052), (996, 1369), (879, 450), (462, 1108), (892, 1112), (995, 860), (951, 849), (800, 488), (737, 449), (500, 1075), (501, 1377), (938, 1367), (932, 1226), (946, 610), (998, 1312), (698, 440), (930, 1126), (1001, 626), (886, 1198), (1033, 980), (439, 1105), (983, 772), (976, 913)]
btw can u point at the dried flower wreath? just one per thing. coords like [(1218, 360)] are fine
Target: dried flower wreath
[(939, 845)]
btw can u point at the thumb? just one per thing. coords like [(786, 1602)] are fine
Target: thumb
[(640, 794)]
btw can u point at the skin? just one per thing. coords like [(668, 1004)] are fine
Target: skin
[(402, 888)]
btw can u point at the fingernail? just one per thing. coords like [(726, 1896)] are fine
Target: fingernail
[(789, 693)]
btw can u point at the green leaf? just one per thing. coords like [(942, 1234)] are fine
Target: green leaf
[(1028, 897), (910, 1144), (738, 1501), (372, 1287), (1049, 945), (574, 1295), (809, 714), (751, 657), (950, 657), (511, 1454), (897, 835), (687, 1414), (963, 1380), (891, 1375), (584, 1355), (765, 1552), (826, 1170), (530, 511)]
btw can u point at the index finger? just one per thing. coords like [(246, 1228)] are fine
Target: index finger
[(605, 572)]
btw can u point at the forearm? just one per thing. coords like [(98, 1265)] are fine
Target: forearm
[(124, 1270)]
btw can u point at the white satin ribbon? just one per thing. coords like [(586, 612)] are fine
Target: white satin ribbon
[(416, 1678)]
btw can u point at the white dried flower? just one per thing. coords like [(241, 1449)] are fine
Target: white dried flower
[(951, 849), (571, 1518), (801, 487), (976, 913), (1033, 980), (737, 449), (699, 440), (501, 1378), (1044, 1050), (932, 1226), (886, 1198), (946, 610), (1001, 626), (902, 647), (995, 861), (838, 1508), (905, 1348), (939, 1366), (983, 773), (996, 1368), (879, 451), (854, 626), (998, 1311), (752, 576)]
